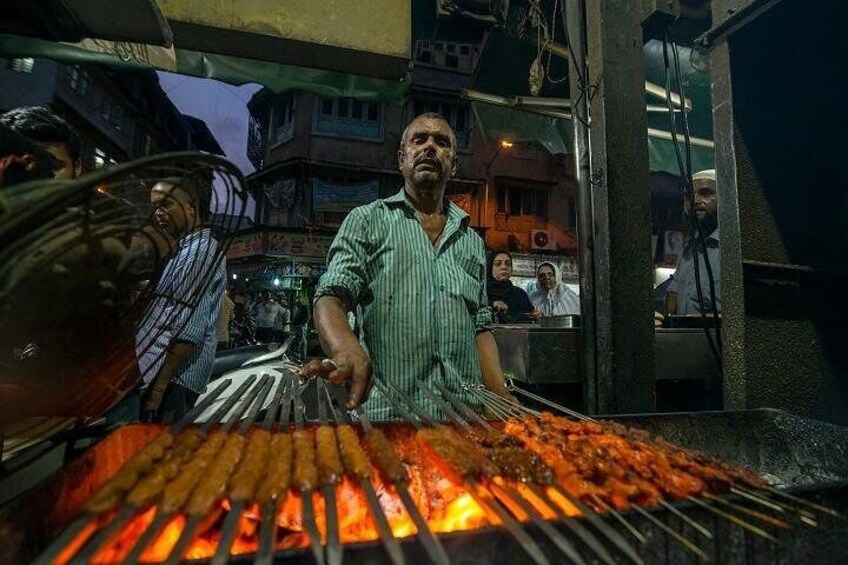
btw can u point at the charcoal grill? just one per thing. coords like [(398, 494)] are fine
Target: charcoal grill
[(808, 457)]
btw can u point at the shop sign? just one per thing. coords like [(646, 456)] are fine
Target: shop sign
[(298, 244), (245, 245)]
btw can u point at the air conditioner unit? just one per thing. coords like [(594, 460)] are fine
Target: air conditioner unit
[(541, 240)]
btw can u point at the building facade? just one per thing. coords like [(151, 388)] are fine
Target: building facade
[(120, 115), (318, 157)]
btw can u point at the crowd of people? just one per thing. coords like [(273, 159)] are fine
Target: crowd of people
[(425, 304)]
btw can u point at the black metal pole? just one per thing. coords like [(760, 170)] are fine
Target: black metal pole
[(574, 16)]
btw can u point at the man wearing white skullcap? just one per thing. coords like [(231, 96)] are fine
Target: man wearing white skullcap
[(682, 296)]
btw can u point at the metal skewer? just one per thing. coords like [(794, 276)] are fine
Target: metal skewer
[(270, 509), (431, 543), (575, 526), (798, 500), (481, 496), (383, 528), (80, 523), (229, 528), (733, 519), (331, 517), (676, 536), (154, 529), (307, 507), (127, 511), (617, 515), (802, 515), (567, 411), (753, 513), (508, 493), (254, 400), (697, 526)]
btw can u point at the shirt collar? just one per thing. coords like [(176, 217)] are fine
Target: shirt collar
[(454, 212), (194, 236)]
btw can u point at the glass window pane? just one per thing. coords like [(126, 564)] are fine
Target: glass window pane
[(514, 201), (542, 203), (327, 107), (373, 111), (356, 112)]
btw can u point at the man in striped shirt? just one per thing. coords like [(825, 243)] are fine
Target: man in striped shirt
[(417, 269), (176, 340)]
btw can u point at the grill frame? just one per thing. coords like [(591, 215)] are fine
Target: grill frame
[(808, 456)]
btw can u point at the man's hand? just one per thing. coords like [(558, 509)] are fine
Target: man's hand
[(350, 366), (152, 401), (658, 319), (535, 315), (500, 306)]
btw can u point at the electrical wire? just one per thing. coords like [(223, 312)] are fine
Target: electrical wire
[(696, 229)]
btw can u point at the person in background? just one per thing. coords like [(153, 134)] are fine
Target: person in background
[(282, 323), (418, 270), (176, 340), (550, 295), (267, 312), (52, 133), (22, 160), (682, 298), (225, 318), (509, 303)]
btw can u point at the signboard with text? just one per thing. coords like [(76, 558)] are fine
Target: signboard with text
[(298, 244), (245, 245)]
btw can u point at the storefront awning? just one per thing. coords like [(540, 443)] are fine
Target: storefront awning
[(233, 70)]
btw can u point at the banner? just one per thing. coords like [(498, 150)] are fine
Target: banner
[(337, 197)]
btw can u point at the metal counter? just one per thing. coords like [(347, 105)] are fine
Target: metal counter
[(537, 355)]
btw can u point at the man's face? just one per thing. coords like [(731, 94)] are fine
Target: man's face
[(173, 209), (706, 200), (428, 158), (61, 154), (546, 277), (502, 267)]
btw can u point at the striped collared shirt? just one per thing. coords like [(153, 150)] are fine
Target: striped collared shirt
[(422, 305), (187, 299)]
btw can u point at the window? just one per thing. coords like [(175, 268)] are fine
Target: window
[(457, 115), (347, 117), (459, 56), (21, 65), (282, 120), (522, 200), (78, 80)]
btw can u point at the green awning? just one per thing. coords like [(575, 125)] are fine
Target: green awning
[(555, 135), (498, 122), (233, 70)]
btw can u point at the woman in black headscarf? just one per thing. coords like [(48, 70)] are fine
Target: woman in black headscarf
[(508, 302)]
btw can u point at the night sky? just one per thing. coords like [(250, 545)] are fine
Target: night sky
[(222, 106)]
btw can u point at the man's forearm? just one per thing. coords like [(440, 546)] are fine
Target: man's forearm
[(490, 363), (331, 322), (176, 356)]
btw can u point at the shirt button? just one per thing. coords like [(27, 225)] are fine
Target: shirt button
[(442, 288)]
